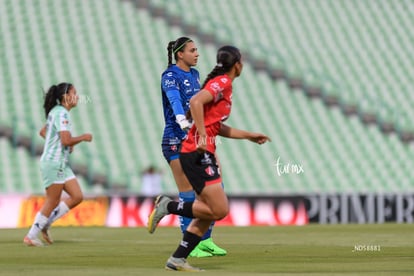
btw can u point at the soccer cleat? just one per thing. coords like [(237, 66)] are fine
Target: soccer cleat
[(32, 242), (180, 264), (46, 235), (198, 253), (160, 210), (209, 246)]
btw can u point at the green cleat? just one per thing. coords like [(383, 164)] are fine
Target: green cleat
[(209, 246), (198, 253), (160, 210), (180, 264)]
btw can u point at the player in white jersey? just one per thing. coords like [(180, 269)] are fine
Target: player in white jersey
[(56, 173)]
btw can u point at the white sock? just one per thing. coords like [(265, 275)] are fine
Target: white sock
[(38, 224), (57, 213)]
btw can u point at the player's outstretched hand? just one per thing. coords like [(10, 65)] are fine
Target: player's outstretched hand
[(259, 138), (87, 137)]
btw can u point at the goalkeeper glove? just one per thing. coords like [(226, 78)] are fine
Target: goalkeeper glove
[(183, 122)]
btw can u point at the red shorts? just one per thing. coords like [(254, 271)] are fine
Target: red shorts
[(201, 169)]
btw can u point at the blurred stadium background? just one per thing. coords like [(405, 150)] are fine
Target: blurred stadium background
[(331, 82)]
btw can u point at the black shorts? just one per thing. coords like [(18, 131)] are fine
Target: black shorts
[(201, 169)]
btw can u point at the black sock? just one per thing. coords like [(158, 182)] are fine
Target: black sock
[(187, 244), (181, 208)]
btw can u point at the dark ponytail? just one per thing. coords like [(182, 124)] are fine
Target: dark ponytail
[(176, 46), (227, 56), (54, 96), (217, 71), (170, 50)]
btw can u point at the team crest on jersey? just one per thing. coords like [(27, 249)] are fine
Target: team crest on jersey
[(209, 170), (223, 80), (174, 147), (219, 96)]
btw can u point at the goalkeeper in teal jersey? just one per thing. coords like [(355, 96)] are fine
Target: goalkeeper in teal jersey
[(56, 173), (179, 82)]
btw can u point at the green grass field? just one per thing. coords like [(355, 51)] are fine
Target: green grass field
[(312, 249)]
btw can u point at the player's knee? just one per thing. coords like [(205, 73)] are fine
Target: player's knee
[(76, 199), (221, 212)]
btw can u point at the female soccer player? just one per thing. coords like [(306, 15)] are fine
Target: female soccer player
[(56, 173), (179, 82), (209, 108)]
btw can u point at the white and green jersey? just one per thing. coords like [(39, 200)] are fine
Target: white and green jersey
[(57, 120)]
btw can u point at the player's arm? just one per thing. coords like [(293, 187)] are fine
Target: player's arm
[(176, 103), (174, 97), (42, 132), (234, 133), (68, 140)]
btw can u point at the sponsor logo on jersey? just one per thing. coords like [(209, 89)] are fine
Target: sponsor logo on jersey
[(169, 83), (216, 87)]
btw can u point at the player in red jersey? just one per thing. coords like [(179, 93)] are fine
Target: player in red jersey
[(209, 109)]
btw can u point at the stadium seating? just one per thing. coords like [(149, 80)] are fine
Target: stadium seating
[(20, 172), (114, 53), (361, 45)]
